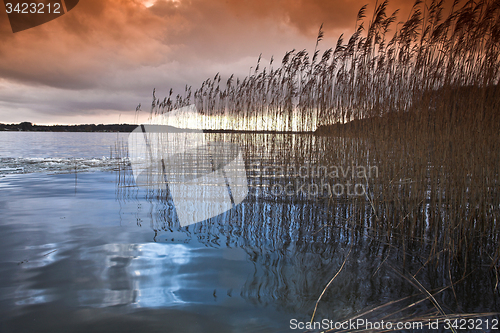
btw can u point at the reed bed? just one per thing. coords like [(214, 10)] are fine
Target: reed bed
[(420, 100), (440, 68), (424, 214)]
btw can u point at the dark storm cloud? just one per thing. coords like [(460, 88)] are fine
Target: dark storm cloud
[(109, 54), (78, 49)]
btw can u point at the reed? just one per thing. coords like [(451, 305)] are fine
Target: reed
[(434, 70), (425, 95), (432, 212), (420, 100)]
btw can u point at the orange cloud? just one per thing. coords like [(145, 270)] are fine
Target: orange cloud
[(111, 53)]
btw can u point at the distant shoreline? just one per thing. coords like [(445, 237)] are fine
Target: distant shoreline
[(110, 128), (29, 127)]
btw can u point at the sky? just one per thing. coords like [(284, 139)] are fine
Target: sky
[(97, 62)]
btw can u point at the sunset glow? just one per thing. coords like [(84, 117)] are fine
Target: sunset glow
[(100, 60)]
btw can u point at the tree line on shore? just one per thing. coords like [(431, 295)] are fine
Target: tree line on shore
[(27, 126)]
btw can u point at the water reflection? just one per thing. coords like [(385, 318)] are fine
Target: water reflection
[(202, 178), (145, 275), (120, 249), (395, 228)]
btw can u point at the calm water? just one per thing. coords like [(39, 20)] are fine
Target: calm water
[(88, 251)]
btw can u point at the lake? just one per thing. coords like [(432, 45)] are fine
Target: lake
[(84, 249)]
